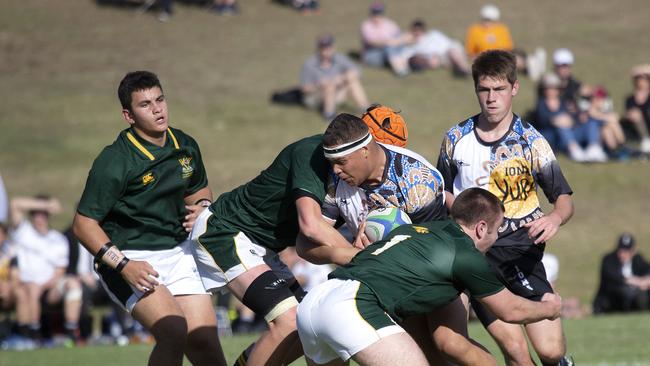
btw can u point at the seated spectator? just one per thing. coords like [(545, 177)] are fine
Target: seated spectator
[(42, 254), (624, 280), (306, 7), (563, 130), (637, 105), (327, 77), (569, 86), (379, 36), (428, 50), (491, 34), (601, 109), (6, 259)]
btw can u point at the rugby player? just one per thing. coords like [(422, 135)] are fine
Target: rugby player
[(139, 192), (496, 150)]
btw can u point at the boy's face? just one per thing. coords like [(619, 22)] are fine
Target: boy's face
[(495, 97), (148, 111)]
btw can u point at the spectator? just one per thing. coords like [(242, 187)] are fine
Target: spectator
[(327, 77), (42, 254), (379, 35), (601, 109), (429, 50), (491, 34), (637, 105), (624, 279), (569, 86), (6, 258), (4, 203)]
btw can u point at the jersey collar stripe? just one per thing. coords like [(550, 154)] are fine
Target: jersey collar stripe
[(139, 146), (173, 138), (347, 148)]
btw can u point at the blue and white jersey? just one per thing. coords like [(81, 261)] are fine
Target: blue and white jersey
[(511, 168), (410, 182)]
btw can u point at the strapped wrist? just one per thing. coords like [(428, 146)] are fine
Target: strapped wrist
[(102, 251)]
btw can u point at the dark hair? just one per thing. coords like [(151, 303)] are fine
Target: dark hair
[(40, 197), (136, 81), (344, 128), (475, 204), (496, 64), (419, 23)]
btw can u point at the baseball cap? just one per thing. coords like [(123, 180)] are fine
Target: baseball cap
[(640, 70), (563, 56), (490, 12), (551, 80), (626, 241), (600, 92), (377, 7), (325, 40)]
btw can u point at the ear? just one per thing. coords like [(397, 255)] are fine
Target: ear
[(365, 151), (481, 229), (128, 116), (515, 88)]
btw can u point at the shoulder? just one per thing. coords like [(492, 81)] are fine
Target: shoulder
[(411, 155), (460, 130)]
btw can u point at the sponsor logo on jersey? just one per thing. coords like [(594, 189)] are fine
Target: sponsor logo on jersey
[(147, 178), (186, 167), (421, 230), (512, 181)]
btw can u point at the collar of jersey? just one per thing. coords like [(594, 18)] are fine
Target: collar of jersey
[(135, 141)]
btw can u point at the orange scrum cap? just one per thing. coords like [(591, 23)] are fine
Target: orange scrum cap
[(386, 125)]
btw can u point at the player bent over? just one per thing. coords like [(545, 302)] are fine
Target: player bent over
[(239, 236), (139, 192), (416, 269)]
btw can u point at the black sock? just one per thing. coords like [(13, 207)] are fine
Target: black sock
[(243, 357)]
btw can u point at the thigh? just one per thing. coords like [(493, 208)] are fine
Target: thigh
[(198, 311), (396, 349), (156, 305), (546, 334)]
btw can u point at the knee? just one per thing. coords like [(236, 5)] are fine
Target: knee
[(550, 352), (285, 323), (516, 349), (170, 331)]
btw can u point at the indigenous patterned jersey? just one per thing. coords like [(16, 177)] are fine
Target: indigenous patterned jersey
[(136, 190), (418, 268), (410, 182), (265, 208), (510, 168)]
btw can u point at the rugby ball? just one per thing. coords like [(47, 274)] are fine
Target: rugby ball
[(381, 221)]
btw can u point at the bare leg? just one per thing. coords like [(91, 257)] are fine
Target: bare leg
[(162, 316), (548, 340), (512, 341), (357, 92), (396, 349), (203, 346), (635, 116), (329, 98)]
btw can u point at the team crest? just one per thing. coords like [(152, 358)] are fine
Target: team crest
[(186, 167), (147, 179)]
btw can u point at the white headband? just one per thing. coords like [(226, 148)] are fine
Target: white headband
[(346, 148)]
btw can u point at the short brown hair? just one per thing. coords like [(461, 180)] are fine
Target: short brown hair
[(496, 64), (344, 128), (475, 204)]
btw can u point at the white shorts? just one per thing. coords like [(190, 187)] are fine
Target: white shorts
[(176, 268), (248, 254), (333, 322)]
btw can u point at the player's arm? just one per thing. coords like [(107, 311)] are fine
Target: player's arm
[(319, 242), (544, 228), (195, 203), (137, 273), (515, 309)]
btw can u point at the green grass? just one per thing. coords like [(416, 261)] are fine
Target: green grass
[(599, 341), (62, 60)]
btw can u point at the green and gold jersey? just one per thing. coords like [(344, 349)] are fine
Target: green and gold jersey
[(418, 268), (136, 190), (265, 208)]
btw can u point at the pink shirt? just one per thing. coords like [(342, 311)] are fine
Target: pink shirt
[(373, 33)]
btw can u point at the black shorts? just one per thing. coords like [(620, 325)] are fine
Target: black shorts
[(521, 270)]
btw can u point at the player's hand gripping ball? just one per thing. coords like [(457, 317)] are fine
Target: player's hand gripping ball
[(381, 221)]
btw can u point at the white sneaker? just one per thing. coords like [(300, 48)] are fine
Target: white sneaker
[(645, 145), (595, 153), (577, 154), (536, 64)]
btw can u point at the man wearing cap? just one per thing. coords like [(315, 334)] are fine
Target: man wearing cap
[(327, 77), (379, 35), (624, 279), (637, 105), (569, 86)]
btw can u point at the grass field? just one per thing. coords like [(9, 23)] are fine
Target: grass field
[(62, 60), (596, 341)]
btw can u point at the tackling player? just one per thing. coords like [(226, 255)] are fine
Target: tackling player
[(139, 192), (416, 269), (496, 150)]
